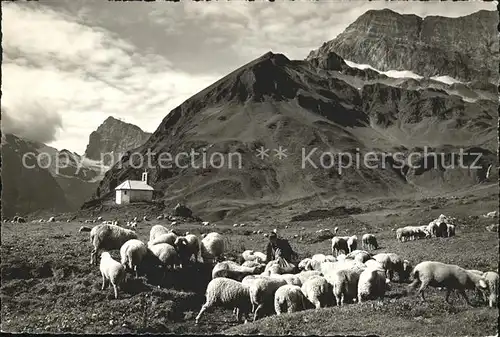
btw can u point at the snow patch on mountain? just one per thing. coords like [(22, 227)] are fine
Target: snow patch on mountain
[(389, 73), (403, 73)]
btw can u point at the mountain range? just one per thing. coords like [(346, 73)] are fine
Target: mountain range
[(340, 99), (61, 181)]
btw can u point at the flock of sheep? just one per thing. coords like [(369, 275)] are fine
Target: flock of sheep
[(254, 284)]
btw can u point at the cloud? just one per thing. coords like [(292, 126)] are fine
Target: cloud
[(33, 122), (82, 74)]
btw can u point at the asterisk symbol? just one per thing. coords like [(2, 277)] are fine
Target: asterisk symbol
[(262, 152), (280, 153)]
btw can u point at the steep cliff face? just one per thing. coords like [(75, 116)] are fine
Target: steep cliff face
[(315, 110), (465, 48), (113, 138), (27, 187)]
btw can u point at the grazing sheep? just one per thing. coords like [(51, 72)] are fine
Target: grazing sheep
[(253, 264), (372, 284), (187, 246), (309, 264), (289, 298), (491, 278), (249, 279), (359, 255), (112, 272), (492, 214), (132, 253), (251, 255), (232, 270), (319, 257), (412, 232), (352, 243), (279, 266), (341, 257), (166, 256), (371, 263), (212, 247), (438, 274), (344, 283), (432, 228), (84, 229), (164, 238), (226, 293), (393, 263), (156, 231), (262, 292), (442, 230), (450, 230), (318, 291), (339, 244), (108, 237), (369, 241), (291, 279)]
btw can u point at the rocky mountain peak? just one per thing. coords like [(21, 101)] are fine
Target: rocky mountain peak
[(464, 48)]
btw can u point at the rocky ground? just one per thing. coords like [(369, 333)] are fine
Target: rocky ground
[(48, 284)]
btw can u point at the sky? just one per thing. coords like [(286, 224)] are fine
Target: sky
[(69, 64)]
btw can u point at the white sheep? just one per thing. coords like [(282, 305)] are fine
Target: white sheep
[(249, 279), (371, 263), (228, 293), (319, 257), (491, 278), (212, 247), (344, 283), (372, 284), (393, 263), (187, 246), (164, 238), (369, 241), (352, 243), (132, 253), (359, 255), (108, 237), (84, 229), (291, 279), (438, 274), (166, 256), (253, 264), (262, 292), (289, 298), (232, 270), (251, 255), (279, 266), (306, 275), (450, 230), (339, 244), (341, 257), (309, 264), (156, 231), (318, 291), (112, 272)]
